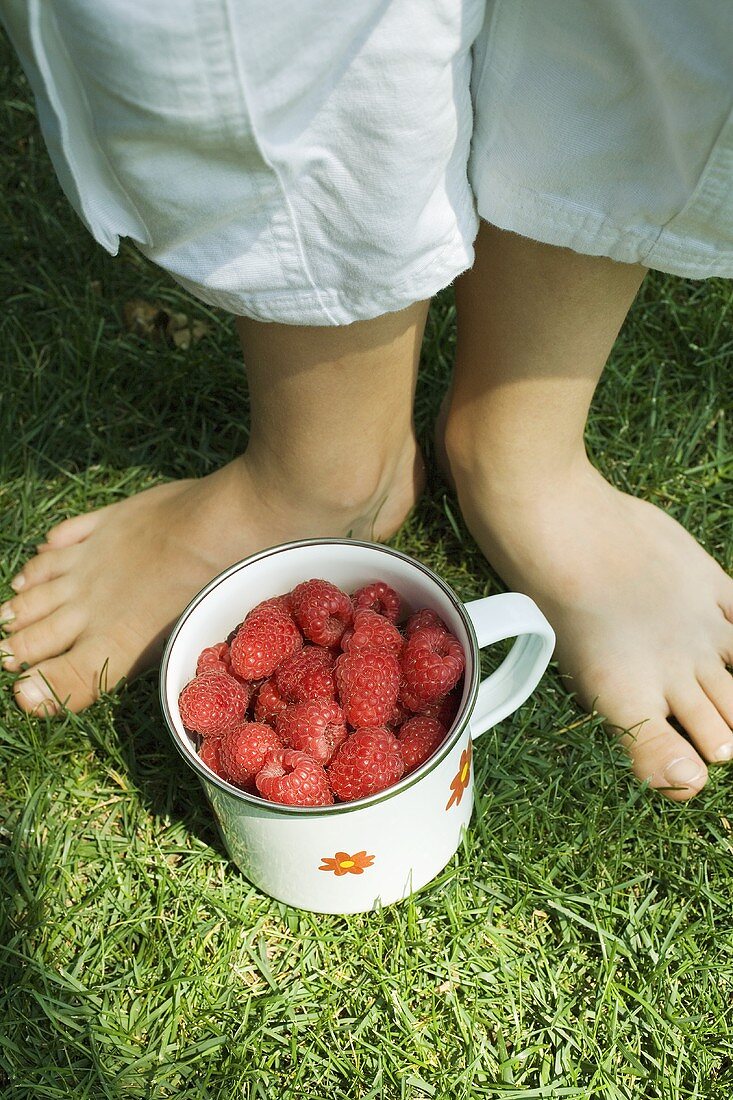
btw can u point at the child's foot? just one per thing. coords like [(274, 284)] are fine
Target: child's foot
[(101, 595), (644, 617)]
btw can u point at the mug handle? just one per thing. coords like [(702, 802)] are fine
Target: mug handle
[(495, 618)]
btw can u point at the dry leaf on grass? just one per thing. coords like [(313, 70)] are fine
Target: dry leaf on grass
[(151, 321)]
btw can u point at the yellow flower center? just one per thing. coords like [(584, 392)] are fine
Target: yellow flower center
[(346, 863), (464, 773)]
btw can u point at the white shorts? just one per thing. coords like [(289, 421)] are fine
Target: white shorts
[(317, 163)]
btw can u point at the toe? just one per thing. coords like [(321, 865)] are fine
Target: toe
[(717, 684), (727, 641), (71, 531), (666, 760), (726, 600), (51, 635), (43, 568), (35, 695), (33, 604), (73, 680), (702, 721)]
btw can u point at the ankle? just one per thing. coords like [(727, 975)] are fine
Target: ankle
[(368, 498), (511, 470)]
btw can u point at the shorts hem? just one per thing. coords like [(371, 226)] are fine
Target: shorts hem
[(558, 221), (329, 307)]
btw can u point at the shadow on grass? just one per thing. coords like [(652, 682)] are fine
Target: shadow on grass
[(167, 788)]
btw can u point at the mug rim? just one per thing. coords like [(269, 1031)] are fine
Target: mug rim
[(462, 720)]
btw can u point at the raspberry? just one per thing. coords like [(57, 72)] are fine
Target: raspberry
[(399, 715), (415, 704), (378, 597), (420, 619), (212, 703), (263, 642), (368, 761), (373, 631), (214, 656), (269, 703), (444, 709), (418, 739), (367, 685), (316, 727), (209, 754), (307, 675), (242, 751), (292, 778), (282, 603), (217, 656), (431, 665), (322, 611)]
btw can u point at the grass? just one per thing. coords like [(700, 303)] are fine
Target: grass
[(580, 944)]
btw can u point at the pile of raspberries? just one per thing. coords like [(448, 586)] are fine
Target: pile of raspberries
[(318, 697)]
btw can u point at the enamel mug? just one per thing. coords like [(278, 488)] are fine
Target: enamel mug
[(355, 856)]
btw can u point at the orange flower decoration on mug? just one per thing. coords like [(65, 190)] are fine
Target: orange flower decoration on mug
[(344, 864), (459, 782)]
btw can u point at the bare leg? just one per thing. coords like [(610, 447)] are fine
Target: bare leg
[(332, 452), (644, 616)]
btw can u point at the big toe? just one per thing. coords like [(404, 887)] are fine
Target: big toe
[(664, 759), (34, 695), (71, 681)]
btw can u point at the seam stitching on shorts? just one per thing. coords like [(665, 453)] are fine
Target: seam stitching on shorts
[(467, 207), (273, 168), (653, 250), (558, 202), (301, 299), (702, 196)]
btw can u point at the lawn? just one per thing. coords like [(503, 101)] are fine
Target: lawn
[(580, 944)]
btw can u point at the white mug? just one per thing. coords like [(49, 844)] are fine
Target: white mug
[(354, 856)]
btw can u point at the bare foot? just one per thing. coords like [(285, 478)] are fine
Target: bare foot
[(644, 617), (98, 600)]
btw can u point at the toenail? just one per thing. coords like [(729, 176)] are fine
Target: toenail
[(723, 753), (33, 693), (683, 771), (18, 582), (6, 613), (8, 655)]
